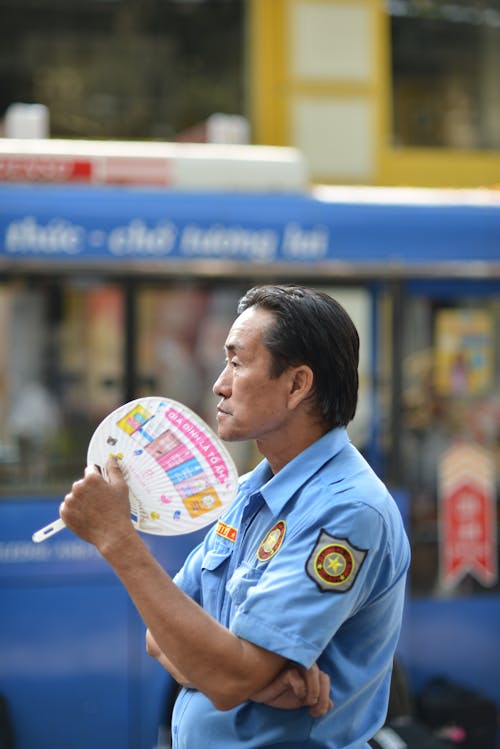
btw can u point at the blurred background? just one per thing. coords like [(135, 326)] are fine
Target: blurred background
[(157, 158)]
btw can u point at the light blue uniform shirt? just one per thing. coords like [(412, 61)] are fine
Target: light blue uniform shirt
[(311, 564)]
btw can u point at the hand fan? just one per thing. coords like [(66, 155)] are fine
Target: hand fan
[(180, 475)]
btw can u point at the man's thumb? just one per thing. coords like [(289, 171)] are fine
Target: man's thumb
[(113, 469)]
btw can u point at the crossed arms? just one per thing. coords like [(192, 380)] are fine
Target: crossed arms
[(99, 512), (293, 687)]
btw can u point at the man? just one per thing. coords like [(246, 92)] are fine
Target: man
[(302, 606)]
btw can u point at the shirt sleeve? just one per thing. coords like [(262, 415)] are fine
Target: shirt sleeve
[(318, 579), (188, 578)]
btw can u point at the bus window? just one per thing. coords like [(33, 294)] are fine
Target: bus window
[(180, 342), (451, 442), (61, 356)]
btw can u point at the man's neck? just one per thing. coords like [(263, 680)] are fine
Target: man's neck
[(280, 451)]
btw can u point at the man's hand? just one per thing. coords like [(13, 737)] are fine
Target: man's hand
[(98, 510), (296, 687)]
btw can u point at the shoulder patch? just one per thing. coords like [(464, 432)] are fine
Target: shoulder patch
[(334, 563), (272, 541)]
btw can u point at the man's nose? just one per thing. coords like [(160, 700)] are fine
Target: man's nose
[(222, 384)]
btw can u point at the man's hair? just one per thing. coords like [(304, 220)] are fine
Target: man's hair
[(311, 328)]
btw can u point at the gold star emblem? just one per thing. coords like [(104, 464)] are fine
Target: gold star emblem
[(334, 564)]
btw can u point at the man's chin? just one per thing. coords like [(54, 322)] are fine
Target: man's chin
[(227, 434)]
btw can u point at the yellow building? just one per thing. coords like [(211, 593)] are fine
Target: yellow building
[(382, 93)]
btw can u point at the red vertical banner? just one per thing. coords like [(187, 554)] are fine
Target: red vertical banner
[(467, 516)]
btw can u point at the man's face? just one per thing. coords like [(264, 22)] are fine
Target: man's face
[(253, 406)]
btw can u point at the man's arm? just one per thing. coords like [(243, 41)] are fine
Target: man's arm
[(154, 651), (229, 670), (292, 688)]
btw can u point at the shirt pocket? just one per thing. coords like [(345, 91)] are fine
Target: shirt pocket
[(243, 579), (213, 578)]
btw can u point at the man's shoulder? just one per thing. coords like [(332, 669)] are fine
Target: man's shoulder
[(349, 472), (349, 484)]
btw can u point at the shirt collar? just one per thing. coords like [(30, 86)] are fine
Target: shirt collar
[(277, 489)]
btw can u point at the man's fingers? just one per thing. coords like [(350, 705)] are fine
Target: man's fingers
[(273, 690), (296, 687), (296, 683), (114, 470), (152, 648), (92, 470), (312, 683), (324, 702)]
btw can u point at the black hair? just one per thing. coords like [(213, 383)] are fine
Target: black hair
[(312, 328)]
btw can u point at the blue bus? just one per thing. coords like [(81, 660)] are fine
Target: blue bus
[(109, 292)]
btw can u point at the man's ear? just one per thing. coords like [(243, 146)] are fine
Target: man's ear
[(301, 385)]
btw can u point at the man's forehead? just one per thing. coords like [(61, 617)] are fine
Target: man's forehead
[(248, 328), (238, 338)]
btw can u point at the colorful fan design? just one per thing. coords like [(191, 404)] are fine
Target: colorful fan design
[(180, 475)]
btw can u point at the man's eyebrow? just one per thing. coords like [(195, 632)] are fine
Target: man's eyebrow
[(232, 347)]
